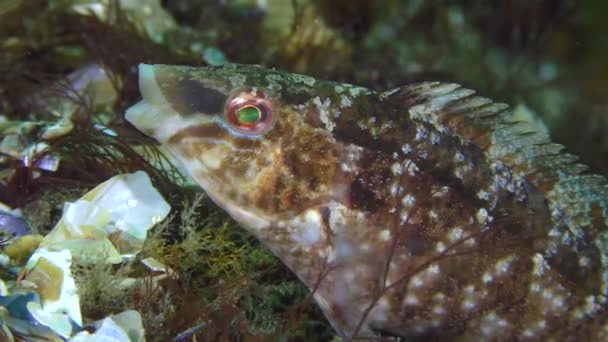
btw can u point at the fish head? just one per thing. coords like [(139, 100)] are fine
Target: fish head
[(251, 137)]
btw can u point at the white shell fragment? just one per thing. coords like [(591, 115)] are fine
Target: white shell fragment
[(126, 326), (111, 221), (50, 272), (59, 128), (158, 270), (58, 322), (149, 15), (155, 265)]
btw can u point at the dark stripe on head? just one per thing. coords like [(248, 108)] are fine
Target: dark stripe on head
[(210, 130), (190, 97), (242, 143)]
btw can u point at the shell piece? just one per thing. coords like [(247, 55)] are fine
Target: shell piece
[(12, 222), (126, 326), (150, 15), (20, 249), (56, 321), (124, 207), (50, 271)]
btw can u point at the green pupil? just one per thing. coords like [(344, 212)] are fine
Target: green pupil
[(248, 115)]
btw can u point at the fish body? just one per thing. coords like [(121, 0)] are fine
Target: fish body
[(421, 212)]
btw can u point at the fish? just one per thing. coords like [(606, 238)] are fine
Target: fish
[(419, 213)]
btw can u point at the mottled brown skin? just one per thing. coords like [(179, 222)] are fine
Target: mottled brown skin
[(420, 213)]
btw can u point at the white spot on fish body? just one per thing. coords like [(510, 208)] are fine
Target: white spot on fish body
[(438, 310), (383, 304), (274, 82), (394, 189), (397, 169), (356, 91), (421, 133), (502, 265), (411, 299), (433, 269), (324, 114), (441, 191), (535, 287), (483, 195), (411, 168), (406, 149), (591, 306), (487, 278), (557, 303), (408, 200), (482, 215), (435, 138), (416, 282), (535, 329), (439, 297), (306, 80), (469, 289), (309, 234), (468, 304), (540, 265), (345, 101), (459, 173), (492, 323), (404, 216), (455, 234)]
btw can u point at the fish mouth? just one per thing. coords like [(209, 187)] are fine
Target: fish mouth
[(145, 114), (154, 115)]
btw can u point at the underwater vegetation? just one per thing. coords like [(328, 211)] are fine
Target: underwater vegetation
[(68, 73)]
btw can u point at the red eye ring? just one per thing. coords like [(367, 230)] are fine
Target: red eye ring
[(246, 100)]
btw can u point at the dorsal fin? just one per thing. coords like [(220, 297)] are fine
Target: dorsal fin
[(581, 200)]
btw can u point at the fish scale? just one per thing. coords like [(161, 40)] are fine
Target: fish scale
[(422, 212)]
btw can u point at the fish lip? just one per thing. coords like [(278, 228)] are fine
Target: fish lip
[(148, 85), (153, 115), (147, 113)]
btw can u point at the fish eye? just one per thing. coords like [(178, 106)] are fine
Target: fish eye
[(249, 112)]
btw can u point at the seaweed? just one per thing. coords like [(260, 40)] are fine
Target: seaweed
[(222, 276), (102, 288)]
